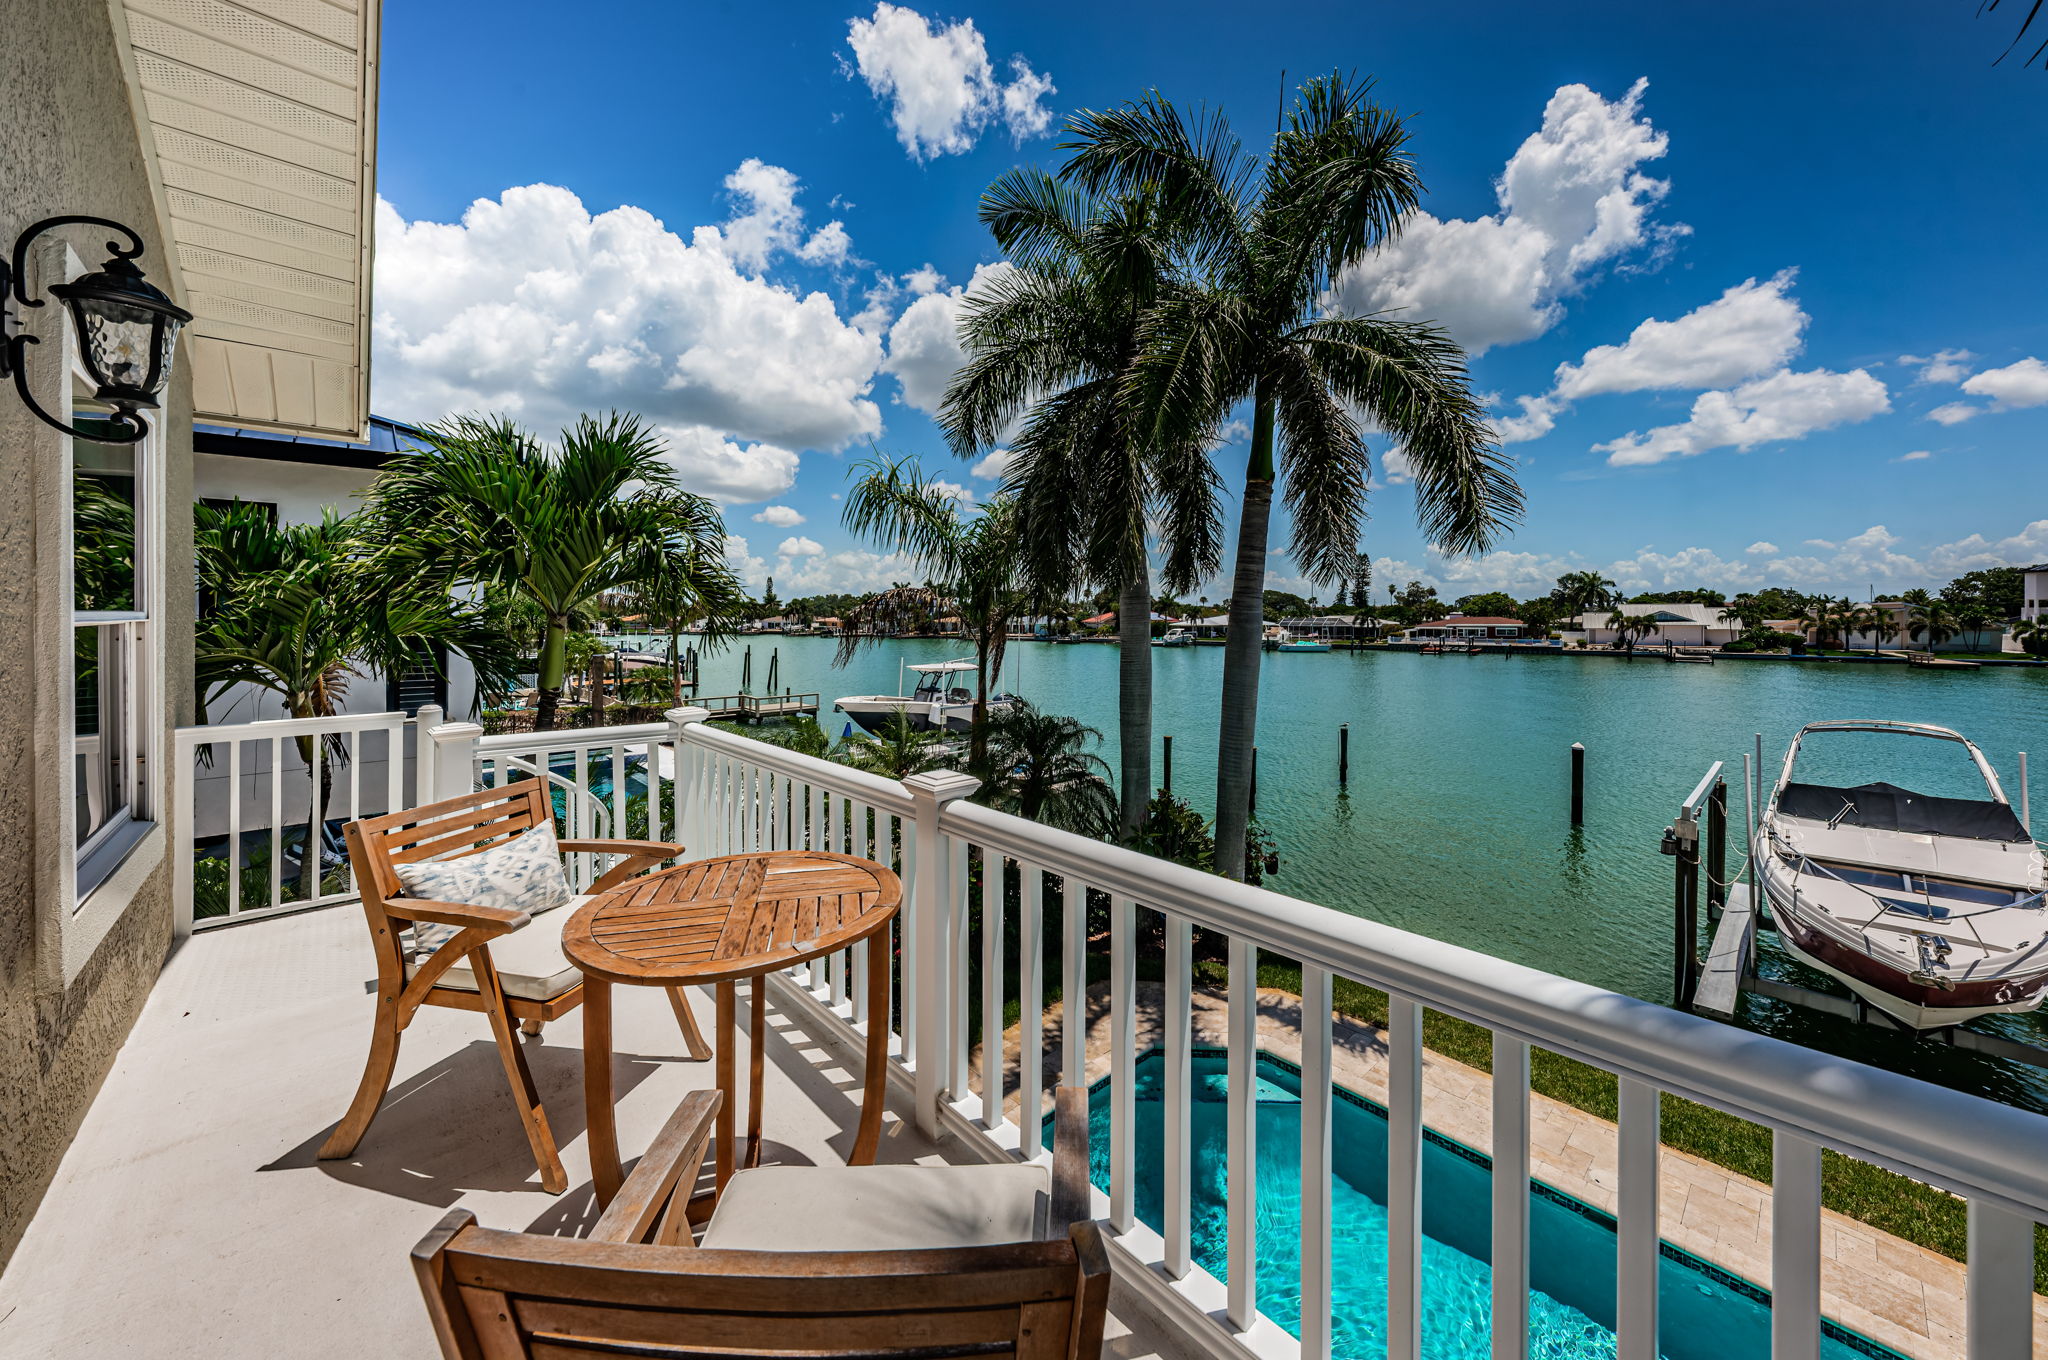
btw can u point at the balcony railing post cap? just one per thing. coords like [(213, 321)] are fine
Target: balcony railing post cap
[(689, 714), (944, 786), (455, 731)]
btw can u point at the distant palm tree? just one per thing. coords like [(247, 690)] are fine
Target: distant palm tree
[(487, 505), (1579, 591), (1251, 322), (1746, 612), (898, 751), (1053, 341), (1045, 770), (1631, 628), (1934, 620), (805, 736), (973, 563)]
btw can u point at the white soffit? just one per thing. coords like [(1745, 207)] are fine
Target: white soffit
[(260, 121)]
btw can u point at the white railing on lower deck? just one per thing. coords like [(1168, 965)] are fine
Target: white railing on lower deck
[(736, 794), (251, 780)]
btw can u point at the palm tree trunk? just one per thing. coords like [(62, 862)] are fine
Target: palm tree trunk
[(1238, 725), (554, 660), (1134, 701)]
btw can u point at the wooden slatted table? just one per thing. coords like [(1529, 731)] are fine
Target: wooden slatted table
[(717, 921)]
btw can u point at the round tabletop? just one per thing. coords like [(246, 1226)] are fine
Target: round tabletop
[(739, 916)]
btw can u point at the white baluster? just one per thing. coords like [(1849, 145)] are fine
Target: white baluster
[(1795, 1247), (1999, 1296), (1315, 1163), (1636, 1252), (1031, 1007), (1074, 985), (1177, 1093), (1123, 1043), (1404, 1178), (1510, 1198), (1241, 1139), (992, 1064), (931, 929)]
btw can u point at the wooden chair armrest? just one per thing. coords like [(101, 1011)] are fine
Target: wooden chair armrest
[(496, 920), (657, 1194), (639, 849), (638, 855), (1072, 1195)]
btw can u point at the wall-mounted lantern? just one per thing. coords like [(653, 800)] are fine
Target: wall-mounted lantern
[(127, 331)]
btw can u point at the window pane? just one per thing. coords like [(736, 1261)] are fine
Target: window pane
[(100, 733), (103, 524)]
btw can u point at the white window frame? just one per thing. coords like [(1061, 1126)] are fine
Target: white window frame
[(90, 888)]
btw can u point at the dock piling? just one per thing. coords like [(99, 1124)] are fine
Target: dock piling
[(1578, 783), (1167, 785), (1343, 754), (1253, 808)]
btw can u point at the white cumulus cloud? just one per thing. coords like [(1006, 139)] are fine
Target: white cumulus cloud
[(1781, 406), (770, 223), (1942, 366), (1762, 545), (924, 342), (533, 307), (1916, 456), (1572, 198), (2014, 387), (941, 89), (992, 468), (781, 516), (799, 547)]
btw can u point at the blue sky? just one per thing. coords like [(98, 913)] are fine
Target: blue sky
[(1757, 290)]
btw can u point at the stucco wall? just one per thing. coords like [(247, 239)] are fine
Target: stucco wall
[(68, 144)]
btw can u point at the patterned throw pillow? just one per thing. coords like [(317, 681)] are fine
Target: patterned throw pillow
[(522, 874)]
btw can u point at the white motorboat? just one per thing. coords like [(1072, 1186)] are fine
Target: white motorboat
[(1929, 909), (935, 705), (1176, 637)]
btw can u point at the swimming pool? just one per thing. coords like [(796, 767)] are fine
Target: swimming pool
[(1705, 1313)]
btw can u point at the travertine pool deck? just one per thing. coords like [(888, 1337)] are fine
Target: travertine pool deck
[(1888, 1289)]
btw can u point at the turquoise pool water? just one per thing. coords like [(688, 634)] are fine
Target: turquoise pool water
[(1705, 1314)]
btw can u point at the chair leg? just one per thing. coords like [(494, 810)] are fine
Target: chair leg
[(370, 1091), (693, 1038), (530, 1028), (524, 1093)]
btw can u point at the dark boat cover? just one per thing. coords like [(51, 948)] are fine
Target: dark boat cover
[(1887, 807)]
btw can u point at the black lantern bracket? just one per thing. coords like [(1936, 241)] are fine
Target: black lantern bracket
[(123, 426)]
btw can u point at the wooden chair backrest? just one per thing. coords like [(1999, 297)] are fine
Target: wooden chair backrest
[(495, 1295), (449, 829)]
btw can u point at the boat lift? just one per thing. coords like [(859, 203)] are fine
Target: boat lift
[(1697, 841)]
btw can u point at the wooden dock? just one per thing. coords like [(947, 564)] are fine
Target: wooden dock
[(753, 708)]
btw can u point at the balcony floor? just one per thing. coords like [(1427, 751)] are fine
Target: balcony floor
[(191, 1218)]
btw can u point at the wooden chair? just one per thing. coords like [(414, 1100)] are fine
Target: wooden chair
[(637, 1285), (529, 982)]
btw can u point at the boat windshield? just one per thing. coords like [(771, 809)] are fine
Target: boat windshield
[(1880, 806), (1931, 766)]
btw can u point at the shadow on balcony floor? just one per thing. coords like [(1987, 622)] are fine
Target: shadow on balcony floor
[(190, 1216)]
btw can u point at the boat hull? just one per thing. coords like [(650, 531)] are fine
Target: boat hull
[(1917, 1005)]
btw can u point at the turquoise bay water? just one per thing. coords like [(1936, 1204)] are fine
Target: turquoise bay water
[(1455, 822), (1704, 1314)]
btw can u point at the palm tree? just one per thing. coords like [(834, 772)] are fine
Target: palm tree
[(1058, 335), (1630, 628), (1934, 620), (898, 751), (1865, 619), (1045, 771), (1249, 322), (1746, 612), (972, 562), (487, 505), (1579, 591), (298, 610), (805, 736)]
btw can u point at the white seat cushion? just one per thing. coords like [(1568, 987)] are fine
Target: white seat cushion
[(523, 873), (880, 1208), (530, 961)]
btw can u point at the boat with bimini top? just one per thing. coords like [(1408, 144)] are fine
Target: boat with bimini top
[(1929, 909)]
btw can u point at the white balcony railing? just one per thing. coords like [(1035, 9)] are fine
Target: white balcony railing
[(719, 793)]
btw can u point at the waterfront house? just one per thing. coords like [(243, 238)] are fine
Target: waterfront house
[(167, 1080), (1338, 627), (2034, 593), (1687, 625), (1474, 627)]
